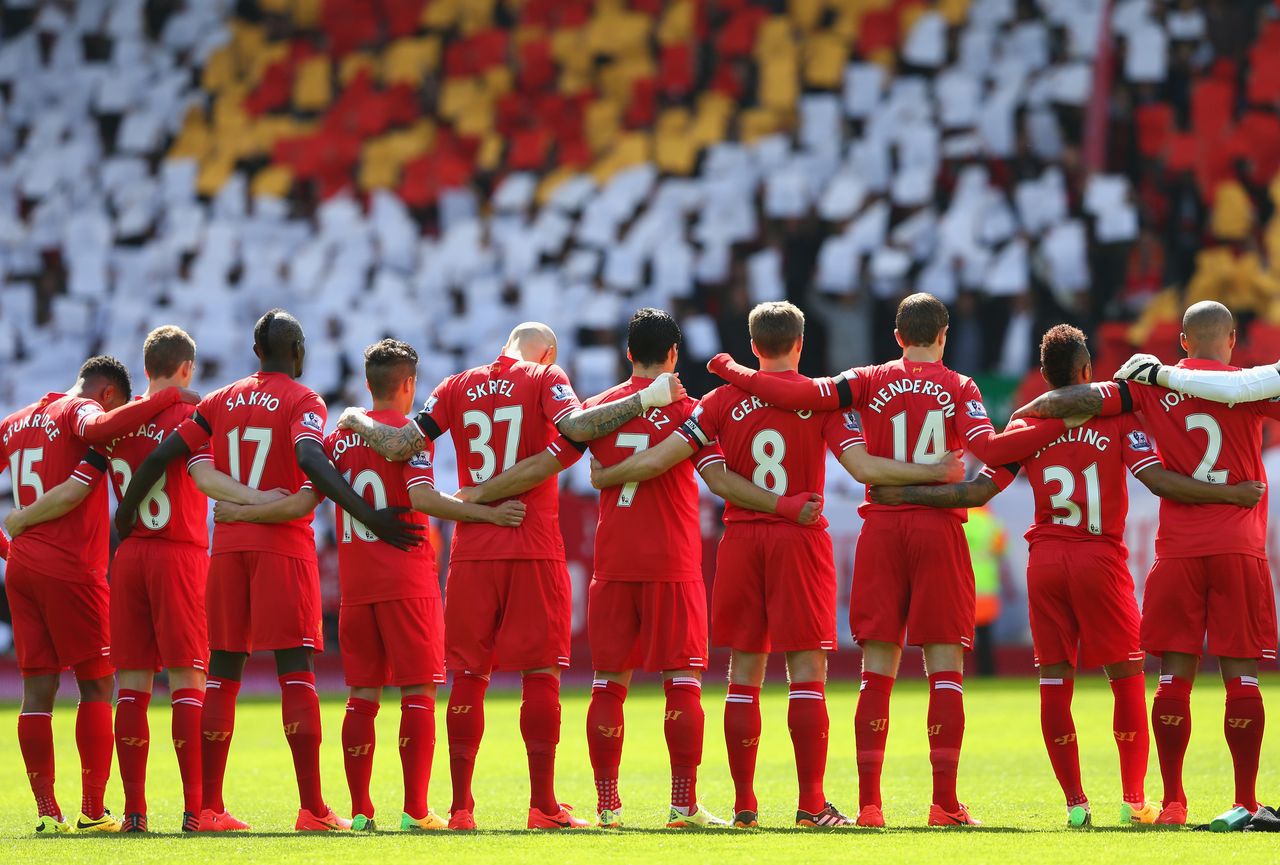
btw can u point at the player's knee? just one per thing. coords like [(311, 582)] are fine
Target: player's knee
[(96, 690), (747, 668), (372, 695), (943, 658), (1058, 671), (181, 678), (807, 666), (1123, 670), (296, 660), (1234, 668), (38, 693), (227, 665)]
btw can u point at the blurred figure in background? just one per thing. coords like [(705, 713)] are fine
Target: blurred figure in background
[(986, 550)]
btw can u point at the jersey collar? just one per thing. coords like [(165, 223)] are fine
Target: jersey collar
[(1200, 363)]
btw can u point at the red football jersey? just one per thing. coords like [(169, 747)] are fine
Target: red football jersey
[(175, 509), (1210, 442), (915, 411), (369, 570), (664, 507), (42, 447), (498, 415), (781, 451), (251, 427), (1079, 480)]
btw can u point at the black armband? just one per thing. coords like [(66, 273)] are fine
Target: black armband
[(1126, 397), (844, 390), (427, 426), (95, 459), (204, 424)]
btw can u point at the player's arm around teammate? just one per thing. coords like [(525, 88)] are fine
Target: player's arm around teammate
[(62, 499)]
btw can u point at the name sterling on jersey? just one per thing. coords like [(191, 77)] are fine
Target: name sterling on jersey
[(912, 385), (1084, 435)]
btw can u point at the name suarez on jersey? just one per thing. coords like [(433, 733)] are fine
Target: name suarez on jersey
[(1082, 435), (902, 386), (46, 424)]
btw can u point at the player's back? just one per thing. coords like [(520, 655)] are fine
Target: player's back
[(663, 507), (253, 426), (175, 509), (370, 570), (781, 451), (916, 411), (1214, 443), (1079, 484), (43, 449)]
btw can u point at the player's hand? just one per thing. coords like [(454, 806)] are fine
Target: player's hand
[(664, 390), (266, 497), (124, 521), (387, 524), (951, 468), (802, 508), (1247, 494), (188, 396), (1028, 410), (718, 363), (886, 495), (509, 514), (14, 524), (350, 416), (597, 474), (228, 512), (1140, 368), (466, 494)]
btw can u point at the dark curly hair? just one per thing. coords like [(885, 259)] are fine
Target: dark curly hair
[(651, 335), (107, 367), (387, 364), (1062, 351)]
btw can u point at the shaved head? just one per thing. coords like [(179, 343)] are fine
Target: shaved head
[(278, 341), (532, 341), (1208, 331)]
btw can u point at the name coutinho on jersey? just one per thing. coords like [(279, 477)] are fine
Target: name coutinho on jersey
[(912, 385)]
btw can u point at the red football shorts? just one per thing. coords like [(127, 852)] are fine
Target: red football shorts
[(775, 589), (157, 605), (263, 601), (1081, 596), (651, 626), (912, 579), (59, 624), (507, 614), (396, 643), (1228, 596)]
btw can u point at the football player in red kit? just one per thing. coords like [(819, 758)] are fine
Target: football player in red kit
[(266, 431), (56, 575), (508, 600), (647, 607), (1080, 592), (391, 625), (1210, 576), (912, 576), (775, 587)]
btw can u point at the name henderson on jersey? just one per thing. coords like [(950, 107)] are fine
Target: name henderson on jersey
[(913, 385)]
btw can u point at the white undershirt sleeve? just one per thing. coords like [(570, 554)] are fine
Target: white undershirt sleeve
[(1246, 385)]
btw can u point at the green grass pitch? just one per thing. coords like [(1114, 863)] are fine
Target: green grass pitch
[(1005, 779)]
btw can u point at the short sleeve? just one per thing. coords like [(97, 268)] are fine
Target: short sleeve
[(858, 380), (85, 411), (433, 418), (971, 413), (566, 450), (1138, 449), (843, 430), (707, 457), (201, 455), (309, 415), (1002, 476), (1118, 397), (557, 397), (91, 469), (420, 470), (196, 430)]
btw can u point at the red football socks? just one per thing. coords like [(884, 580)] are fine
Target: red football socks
[(1243, 723), (35, 739), (1133, 739), (132, 744), (809, 725), (1059, 731), (188, 706), (946, 735), (300, 711), (1171, 726), (465, 726), (604, 740), (540, 727), (217, 723), (870, 733), (358, 739), (742, 739), (684, 727), (417, 744), (94, 740)]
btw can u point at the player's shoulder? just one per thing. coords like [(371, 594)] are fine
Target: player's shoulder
[(618, 391)]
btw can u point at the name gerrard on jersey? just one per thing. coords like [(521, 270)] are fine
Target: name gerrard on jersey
[(747, 406), (903, 386)]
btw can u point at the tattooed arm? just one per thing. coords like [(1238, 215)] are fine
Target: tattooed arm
[(394, 443), (589, 424), (1078, 399), (972, 494)]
